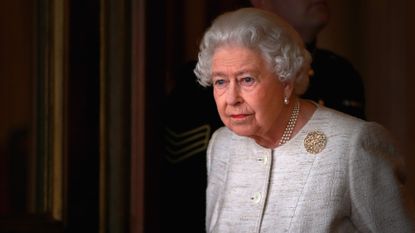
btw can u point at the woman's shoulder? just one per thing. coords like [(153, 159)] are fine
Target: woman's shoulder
[(343, 128), (339, 120), (221, 134), (335, 119), (225, 134), (220, 138), (224, 139), (354, 131)]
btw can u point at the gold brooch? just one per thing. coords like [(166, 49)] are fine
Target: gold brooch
[(315, 142)]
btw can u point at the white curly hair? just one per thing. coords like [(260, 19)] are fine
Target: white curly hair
[(262, 31)]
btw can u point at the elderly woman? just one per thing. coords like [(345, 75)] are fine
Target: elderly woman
[(284, 164)]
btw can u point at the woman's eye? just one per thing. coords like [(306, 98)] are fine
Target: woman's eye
[(247, 81), (219, 82)]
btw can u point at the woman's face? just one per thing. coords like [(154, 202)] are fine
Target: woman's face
[(248, 95)]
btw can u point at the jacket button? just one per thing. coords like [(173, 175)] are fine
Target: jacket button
[(256, 198), (264, 160)]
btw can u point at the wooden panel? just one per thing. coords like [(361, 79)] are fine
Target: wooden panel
[(16, 104), (33, 82), (137, 117)]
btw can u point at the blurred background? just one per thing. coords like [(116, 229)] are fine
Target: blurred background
[(82, 84)]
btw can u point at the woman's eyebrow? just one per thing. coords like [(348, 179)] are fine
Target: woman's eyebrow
[(250, 70), (218, 74)]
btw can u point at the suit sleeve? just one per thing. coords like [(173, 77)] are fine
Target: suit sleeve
[(375, 188)]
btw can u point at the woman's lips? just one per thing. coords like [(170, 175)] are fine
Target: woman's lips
[(239, 116)]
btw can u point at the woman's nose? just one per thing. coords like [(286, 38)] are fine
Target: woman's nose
[(233, 96)]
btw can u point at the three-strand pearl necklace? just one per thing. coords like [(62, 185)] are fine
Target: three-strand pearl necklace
[(291, 124)]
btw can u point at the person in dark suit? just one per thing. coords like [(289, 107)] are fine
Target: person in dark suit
[(334, 82), (187, 130)]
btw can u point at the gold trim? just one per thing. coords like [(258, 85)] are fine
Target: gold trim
[(57, 130), (180, 146), (51, 170)]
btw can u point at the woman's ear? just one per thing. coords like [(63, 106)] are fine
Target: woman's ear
[(288, 89)]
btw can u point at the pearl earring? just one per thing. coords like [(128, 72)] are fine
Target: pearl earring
[(286, 101)]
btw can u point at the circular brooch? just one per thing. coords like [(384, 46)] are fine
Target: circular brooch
[(315, 142)]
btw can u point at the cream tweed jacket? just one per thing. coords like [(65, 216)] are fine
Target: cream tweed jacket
[(348, 186)]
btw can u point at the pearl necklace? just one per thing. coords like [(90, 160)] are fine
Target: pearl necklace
[(290, 125)]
